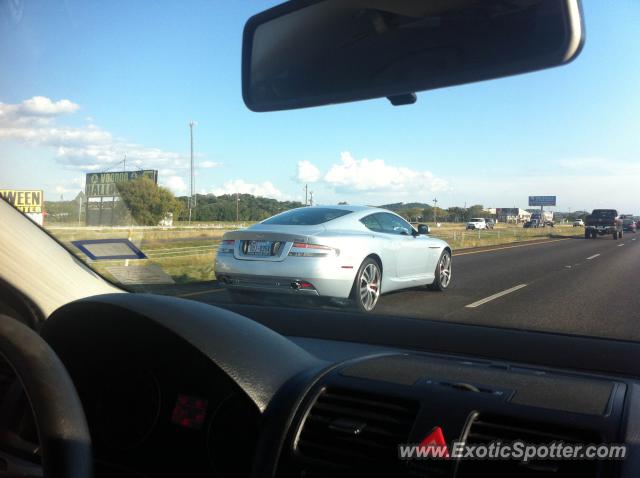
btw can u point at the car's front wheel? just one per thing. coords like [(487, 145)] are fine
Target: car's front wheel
[(443, 272), (366, 287)]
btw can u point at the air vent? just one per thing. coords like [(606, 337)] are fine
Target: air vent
[(491, 428), (356, 431)]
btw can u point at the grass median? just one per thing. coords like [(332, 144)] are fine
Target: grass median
[(187, 254)]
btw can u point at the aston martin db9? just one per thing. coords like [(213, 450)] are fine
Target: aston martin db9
[(344, 252)]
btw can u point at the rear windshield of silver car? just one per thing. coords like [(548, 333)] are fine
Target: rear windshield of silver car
[(307, 216)]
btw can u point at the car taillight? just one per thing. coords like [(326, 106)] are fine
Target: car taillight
[(301, 249), (227, 247)]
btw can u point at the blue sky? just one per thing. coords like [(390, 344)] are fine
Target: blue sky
[(133, 77)]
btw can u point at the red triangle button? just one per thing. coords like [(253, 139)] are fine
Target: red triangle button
[(435, 441)]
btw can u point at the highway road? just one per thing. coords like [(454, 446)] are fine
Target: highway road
[(577, 286)]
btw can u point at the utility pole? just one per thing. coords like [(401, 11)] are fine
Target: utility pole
[(124, 163), (435, 205), (306, 194), (310, 198), (192, 201)]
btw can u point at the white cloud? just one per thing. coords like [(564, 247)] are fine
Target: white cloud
[(73, 185), (43, 106), (86, 148), (36, 107), (307, 172), (264, 189), (176, 184), (208, 164), (375, 176)]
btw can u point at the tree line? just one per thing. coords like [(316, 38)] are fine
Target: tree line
[(145, 203)]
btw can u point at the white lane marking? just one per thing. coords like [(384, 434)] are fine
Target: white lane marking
[(592, 257), (495, 296), (620, 245), (633, 239)]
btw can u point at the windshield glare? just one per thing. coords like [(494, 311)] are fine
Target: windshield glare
[(123, 133), (306, 217)]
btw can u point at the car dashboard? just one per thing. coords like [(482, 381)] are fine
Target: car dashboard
[(196, 395)]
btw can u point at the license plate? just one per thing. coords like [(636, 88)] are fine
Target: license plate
[(259, 248)]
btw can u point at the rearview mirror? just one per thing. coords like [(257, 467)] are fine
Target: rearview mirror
[(316, 52)]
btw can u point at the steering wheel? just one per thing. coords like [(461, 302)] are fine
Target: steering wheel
[(63, 433)]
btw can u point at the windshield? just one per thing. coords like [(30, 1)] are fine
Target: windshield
[(604, 213), (123, 133), (306, 216)]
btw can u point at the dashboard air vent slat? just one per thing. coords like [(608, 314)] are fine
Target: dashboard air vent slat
[(489, 428), (356, 430)]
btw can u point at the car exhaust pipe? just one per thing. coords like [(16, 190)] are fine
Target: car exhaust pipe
[(302, 285)]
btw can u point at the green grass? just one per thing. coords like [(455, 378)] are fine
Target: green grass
[(188, 255), (459, 238)]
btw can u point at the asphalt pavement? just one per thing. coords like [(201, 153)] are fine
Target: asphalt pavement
[(575, 286)]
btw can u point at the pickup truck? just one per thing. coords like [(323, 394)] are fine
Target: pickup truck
[(602, 222)]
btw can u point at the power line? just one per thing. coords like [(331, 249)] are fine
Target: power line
[(115, 164)]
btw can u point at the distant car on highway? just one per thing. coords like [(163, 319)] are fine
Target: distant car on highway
[(629, 225), (603, 222), (355, 252), (477, 223), (578, 223)]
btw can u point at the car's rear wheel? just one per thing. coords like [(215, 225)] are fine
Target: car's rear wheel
[(442, 272), (366, 288)]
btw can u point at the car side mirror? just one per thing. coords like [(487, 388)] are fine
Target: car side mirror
[(423, 229)]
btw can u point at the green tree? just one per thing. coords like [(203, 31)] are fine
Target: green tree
[(147, 202), (477, 210), (427, 213), (223, 208), (456, 214)]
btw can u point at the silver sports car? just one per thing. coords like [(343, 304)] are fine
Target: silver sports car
[(355, 252)]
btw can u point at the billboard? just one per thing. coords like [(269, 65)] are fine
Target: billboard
[(26, 200), (542, 200), (507, 211), (104, 184)]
